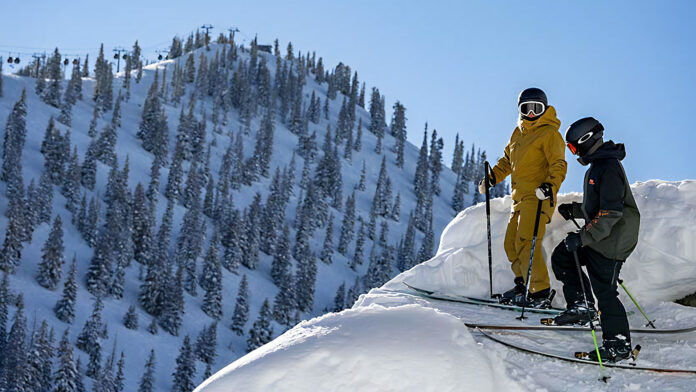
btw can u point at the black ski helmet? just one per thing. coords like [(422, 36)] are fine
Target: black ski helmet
[(584, 136), (532, 94)]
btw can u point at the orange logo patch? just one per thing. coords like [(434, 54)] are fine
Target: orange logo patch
[(591, 181)]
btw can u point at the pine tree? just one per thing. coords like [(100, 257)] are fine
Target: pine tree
[(353, 293), (420, 181), (93, 331), (339, 299), (284, 303), (435, 162), (0, 77), (240, 316), (185, 368), (130, 320), (306, 281), (120, 376), (458, 155), (327, 249), (15, 356), (52, 259), (357, 145), (13, 144), (426, 250), (11, 252), (262, 331), (211, 281), (398, 130), (65, 307), (347, 226), (280, 267), (66, 375), (40, 360), (206, 343), (359, 245), (51, 94), (147, 381)]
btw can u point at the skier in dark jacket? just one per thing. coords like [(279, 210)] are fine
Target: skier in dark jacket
[(604, 243)]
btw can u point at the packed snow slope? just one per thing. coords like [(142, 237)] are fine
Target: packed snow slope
[(394, 340)]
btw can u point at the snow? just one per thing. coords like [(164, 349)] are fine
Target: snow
[(368, 348), (378, 339), (662, 267)]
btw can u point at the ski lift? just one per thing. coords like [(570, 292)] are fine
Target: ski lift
[(76, 61), (159, 57), (16, 60), (66, 62), (115, 56), (9, 60), (125, 57)]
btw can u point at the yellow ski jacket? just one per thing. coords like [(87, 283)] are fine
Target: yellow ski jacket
[(535, 154)]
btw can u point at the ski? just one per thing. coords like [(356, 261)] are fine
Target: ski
[(583, 361), (574, 328), (480, 301)]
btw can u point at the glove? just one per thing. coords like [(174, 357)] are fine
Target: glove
[(544, 191), (566, 211), (573, 242), (482, 183)]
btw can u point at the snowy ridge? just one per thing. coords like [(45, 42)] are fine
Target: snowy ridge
[(433, 331)]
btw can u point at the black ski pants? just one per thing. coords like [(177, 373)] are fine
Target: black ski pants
[(604, 275)]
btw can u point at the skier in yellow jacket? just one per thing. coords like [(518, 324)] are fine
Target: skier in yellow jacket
[(535, 160)]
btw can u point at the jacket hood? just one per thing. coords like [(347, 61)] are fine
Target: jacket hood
[(608, 150), (548, 118)]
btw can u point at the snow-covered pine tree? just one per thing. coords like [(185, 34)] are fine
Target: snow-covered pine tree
[(280, 267), (347, 226), (39, 360), (185, 371), (420, 182), (65, 377), (65, 307), (426, 250), (398, 130), (339, 299), (262, 331), (13, 144), (205, 348), (240, 316), (15, 372), (359, 247), (435, 162), (130, 320), (305, 282), (173, 307), (211, 280), (51, 94), (284, 303), (147, 381), (120, 376), (50, 268), (11, 253), (353, 293)]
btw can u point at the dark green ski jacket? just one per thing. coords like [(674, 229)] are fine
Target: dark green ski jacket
[(612, 219)]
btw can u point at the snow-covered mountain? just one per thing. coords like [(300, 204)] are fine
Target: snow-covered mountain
[(394, 340), (224, 129)]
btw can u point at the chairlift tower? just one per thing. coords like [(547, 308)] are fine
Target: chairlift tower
[(117, 50), (207, 29)]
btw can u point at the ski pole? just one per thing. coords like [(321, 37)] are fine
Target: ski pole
[(487, 168), (589, 316), (650, 323), (531, 258)]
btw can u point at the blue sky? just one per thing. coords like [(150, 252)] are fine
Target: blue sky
[(458, 65)]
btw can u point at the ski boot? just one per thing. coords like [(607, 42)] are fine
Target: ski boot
[(508, 297), (576, 314), (612, 350), (540, 300)]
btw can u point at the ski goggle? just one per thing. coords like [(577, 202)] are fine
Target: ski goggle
[(532, 108), (572, 148)]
